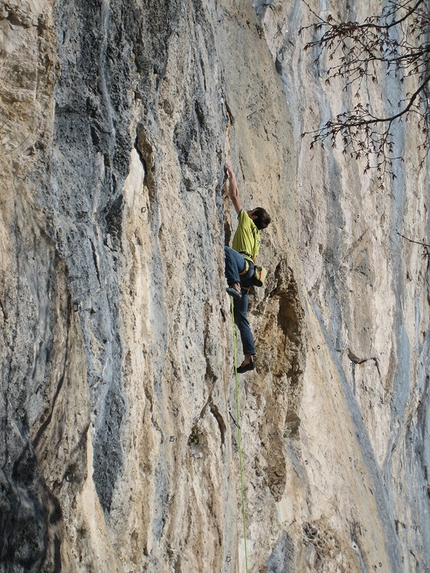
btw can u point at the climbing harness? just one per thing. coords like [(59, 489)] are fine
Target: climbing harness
[(239, 435), (246, 269)]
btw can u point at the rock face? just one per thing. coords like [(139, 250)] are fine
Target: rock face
[(119, 452)]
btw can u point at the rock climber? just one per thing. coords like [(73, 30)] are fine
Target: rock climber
[(239, 265)]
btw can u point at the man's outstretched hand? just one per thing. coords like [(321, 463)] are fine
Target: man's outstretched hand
[(228, 169), (233, 190)]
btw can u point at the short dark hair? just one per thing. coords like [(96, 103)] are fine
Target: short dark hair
[(263, 218)]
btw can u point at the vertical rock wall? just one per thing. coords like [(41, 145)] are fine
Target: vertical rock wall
[(367, 288), (119, 452)]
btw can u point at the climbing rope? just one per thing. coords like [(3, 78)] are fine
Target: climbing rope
[(239, 435)]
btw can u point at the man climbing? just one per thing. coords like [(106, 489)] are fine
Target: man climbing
[(239, 265)]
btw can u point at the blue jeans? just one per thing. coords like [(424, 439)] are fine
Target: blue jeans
[(234, 265)]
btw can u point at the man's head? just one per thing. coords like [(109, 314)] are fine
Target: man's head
[(260, 217)]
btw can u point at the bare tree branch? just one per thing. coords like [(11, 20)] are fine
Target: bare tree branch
[(426, 250), (397, 40), (412, 241)]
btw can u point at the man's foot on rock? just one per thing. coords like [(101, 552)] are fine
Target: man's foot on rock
[(246, 367), (236, 294)]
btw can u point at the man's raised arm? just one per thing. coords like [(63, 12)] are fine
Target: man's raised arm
[(232, 187)]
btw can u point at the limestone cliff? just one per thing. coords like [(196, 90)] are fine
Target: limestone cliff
[(118, 450)]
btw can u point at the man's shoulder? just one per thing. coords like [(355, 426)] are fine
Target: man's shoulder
[(246, 221), (243, 216)]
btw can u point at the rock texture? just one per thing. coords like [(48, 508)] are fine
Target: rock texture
[(119, 452)]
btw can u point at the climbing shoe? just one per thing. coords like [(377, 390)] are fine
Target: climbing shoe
[(246, 368), (237, 295)]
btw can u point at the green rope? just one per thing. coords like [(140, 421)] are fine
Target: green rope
[(239, 435)]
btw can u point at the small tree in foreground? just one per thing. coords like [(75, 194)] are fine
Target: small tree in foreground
[(397, 42)]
